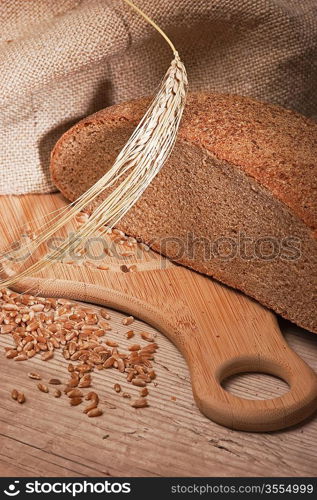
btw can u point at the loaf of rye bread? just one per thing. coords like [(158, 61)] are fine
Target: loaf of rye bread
[(236, 200)]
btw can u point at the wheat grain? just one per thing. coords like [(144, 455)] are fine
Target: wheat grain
[(47, 355), (120, 365), (117, 387), (126, 395), (85, 381), (43, 387), (112, 343), (14, 394), (139, 382), (103, 267), (21, 398), (104, 314), (10, 307), (96, 412), (147, 336), (75, 393), (134, 347), (34, 376), (11, 353), (128, 321), (54, 381), (75, 401), (21, 357), (140, 403), (152, 374), (91, 406)]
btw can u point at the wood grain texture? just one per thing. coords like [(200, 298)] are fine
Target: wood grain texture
[(168, 438)]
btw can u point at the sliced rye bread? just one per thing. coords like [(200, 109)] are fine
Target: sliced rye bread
[(236, 200)]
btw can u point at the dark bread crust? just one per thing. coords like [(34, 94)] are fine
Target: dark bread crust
[(260, 158), (275, 146)]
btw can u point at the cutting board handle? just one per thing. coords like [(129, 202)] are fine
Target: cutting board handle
[(228, 345), (235, 412)]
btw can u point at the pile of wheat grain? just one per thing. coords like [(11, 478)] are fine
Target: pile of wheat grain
[(40, 326)]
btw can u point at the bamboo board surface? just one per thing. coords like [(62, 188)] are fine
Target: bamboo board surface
[(171, 437)]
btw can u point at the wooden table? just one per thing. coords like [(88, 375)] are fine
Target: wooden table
[(46, 437), (170, 438)]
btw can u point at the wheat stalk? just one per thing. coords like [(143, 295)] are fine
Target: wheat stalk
[(136, 165)]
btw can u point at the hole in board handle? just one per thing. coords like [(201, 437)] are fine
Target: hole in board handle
[(255, 385), (255, 377)]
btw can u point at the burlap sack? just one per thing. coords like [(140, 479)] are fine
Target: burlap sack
[(63, 59)]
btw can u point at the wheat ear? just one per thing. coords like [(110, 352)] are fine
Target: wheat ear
[(136, 165)]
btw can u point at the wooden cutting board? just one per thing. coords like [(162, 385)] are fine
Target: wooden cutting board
[(219, 331)]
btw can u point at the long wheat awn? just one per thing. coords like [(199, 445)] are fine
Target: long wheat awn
[(136, 165)]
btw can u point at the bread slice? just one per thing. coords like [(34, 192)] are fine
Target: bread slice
[(236, 200)]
